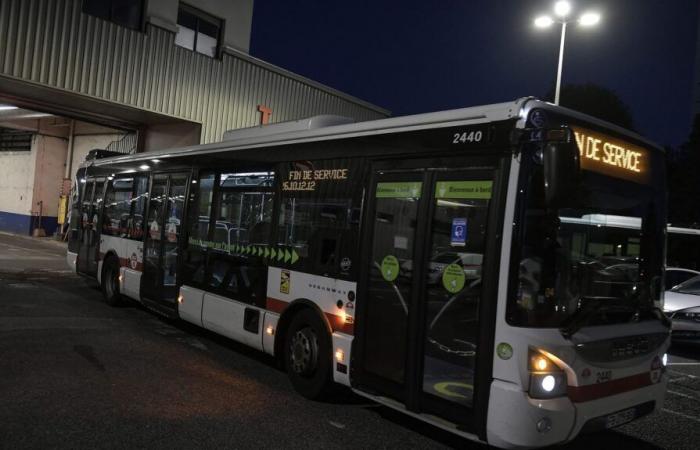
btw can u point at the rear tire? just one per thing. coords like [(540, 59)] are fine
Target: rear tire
[(307, 355), (110, 282)]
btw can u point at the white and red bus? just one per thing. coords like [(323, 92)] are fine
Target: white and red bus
[(427, 262)]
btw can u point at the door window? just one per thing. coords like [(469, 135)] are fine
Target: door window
[(154, 222), (391, 272), (453, 287), (173, 228)]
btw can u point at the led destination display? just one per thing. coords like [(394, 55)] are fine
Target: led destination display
[(610, 156)]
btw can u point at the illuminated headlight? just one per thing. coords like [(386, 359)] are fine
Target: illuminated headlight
[(547, 385), (664, 359), (547, 380)]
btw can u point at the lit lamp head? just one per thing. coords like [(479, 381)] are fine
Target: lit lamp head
[(544, 22), (589, 19), (562, 8)]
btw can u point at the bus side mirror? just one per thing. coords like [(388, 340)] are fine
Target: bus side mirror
[(561, 172)]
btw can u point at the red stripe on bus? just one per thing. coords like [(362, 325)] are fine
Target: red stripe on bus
[(336, 321), (580, 394), (275, 305), (126, 262)]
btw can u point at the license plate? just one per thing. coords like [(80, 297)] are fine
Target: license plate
[(619, 418)]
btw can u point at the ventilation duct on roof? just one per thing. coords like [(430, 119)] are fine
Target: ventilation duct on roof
[(310, 123)]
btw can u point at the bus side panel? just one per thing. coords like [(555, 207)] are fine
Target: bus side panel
[(71, 260), (110, 244), (190, 305), (131, 283), (329, 294), (225, 316), (131, 261)]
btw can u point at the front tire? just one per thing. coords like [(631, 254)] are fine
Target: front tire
[(110, 282), (308, 355)]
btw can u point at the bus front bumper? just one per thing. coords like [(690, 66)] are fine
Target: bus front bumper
[(517, 421)]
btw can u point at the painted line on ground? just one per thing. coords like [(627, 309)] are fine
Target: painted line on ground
[(685, 416), (682, 374), (680, 394), (685, 364)]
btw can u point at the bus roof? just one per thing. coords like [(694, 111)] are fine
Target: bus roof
[(314, 129)]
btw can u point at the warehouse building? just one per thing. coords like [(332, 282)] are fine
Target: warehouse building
[(130, 76)]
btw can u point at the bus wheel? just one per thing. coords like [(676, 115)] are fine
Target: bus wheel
[(308, 355), (110, 282)]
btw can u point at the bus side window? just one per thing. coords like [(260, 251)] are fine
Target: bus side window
[(74, 216), (97, 202), (138, 206), (315, 229), (200, 207), (243, 220), (115, 219)]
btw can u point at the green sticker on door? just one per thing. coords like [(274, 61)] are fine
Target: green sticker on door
[(390, 268), (473, 190), (453, 278), (405, 189)]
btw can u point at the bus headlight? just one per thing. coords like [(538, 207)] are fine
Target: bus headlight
[(547, 380)]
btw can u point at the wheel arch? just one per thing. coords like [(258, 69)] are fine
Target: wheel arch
[(109, 254)]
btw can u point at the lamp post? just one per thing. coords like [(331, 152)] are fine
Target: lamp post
[(562, 11)]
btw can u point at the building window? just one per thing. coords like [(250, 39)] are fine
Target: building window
[(15, 140), (127, 13), (198, 31)]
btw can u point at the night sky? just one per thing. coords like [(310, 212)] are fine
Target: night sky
[(412, 56)]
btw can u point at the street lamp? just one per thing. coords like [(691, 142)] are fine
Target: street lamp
[(562, 10)]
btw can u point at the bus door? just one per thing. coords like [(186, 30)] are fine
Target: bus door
[(90, 211), (418, 327), (163, 230)]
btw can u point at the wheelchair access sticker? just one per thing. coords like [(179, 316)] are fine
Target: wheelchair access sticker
[(459, 232)]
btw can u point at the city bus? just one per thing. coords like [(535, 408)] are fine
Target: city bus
[(425, 262)]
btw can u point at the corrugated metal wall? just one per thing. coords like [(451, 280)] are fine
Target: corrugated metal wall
[(51, 42)]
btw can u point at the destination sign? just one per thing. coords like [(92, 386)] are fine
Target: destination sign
[(610, 156)]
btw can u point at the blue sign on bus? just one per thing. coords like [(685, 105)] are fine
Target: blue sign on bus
[(459, 232)]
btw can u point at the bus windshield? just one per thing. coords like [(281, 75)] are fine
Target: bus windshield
[(595, 261)]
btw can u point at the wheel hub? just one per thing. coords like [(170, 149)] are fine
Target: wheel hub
[(304, 351)]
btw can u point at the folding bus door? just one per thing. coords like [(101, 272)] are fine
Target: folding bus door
[(90, 211), (422, 288), (164, 226)]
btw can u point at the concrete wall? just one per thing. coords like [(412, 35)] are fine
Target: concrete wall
[(168, 135), (17, 180), (236, 14), (48, 180), (29, 177), (82, 144)]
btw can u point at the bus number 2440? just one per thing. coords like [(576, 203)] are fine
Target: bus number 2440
[(468, 137)]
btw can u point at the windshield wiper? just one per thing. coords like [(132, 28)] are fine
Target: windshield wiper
[(592, 307)]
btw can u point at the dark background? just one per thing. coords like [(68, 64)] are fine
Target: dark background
[(413, 56)]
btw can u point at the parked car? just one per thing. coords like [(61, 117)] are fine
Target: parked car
[(682, 306), (470, 262), (677, 275)]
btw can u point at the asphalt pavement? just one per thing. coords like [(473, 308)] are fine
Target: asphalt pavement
[(76, 373)]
